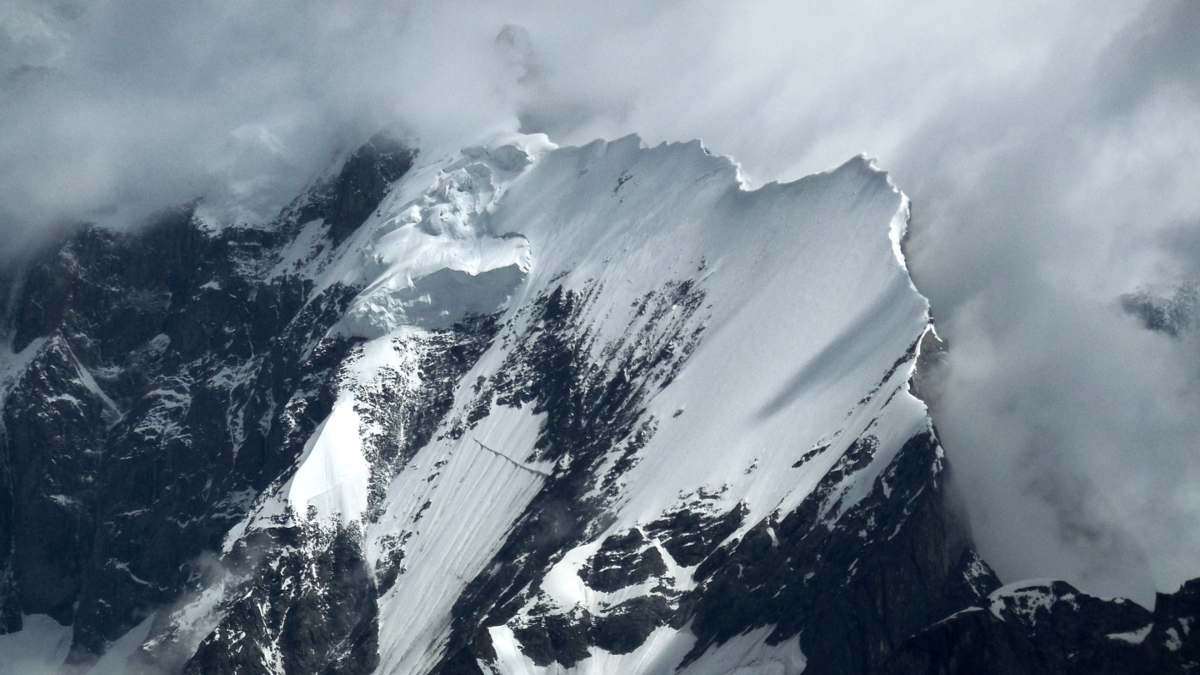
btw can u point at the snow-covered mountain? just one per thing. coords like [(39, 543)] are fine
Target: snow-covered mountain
[(512, 409)]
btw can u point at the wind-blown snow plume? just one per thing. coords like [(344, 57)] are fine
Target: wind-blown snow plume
[(1050, 151)]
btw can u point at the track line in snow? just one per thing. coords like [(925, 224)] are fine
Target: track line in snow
[(519, 465)]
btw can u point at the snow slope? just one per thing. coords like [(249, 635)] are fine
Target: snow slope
[(807, 305)]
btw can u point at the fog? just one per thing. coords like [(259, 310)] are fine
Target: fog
[(1050, 149)]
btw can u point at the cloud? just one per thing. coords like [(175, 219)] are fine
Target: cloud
[(1051, 153), (1075, 431), (1050, 149), (112, 110)]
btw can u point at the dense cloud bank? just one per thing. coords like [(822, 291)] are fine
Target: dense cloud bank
[(1051, 150)]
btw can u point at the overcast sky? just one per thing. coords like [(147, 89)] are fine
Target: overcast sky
[(1051, 150)]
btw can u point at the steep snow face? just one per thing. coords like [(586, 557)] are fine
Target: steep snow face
[(807, 305), (806, 312)]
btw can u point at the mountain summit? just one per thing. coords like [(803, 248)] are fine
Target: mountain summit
[(516, 409)]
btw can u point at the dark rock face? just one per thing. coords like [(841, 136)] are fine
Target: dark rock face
[(55, 423), (622, 561), (348, 200), (691, 532), (564, 639), (850, 597), (1172, 315), (311, 601), (171, 377), (1051, 627)]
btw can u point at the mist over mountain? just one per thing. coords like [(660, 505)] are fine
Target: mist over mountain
[(273, 274)]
